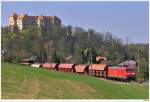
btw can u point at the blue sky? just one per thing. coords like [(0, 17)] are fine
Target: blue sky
[(123, 19)]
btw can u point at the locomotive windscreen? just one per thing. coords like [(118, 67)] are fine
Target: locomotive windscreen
[(131, 69)]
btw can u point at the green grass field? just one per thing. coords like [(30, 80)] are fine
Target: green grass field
[(24, 82)]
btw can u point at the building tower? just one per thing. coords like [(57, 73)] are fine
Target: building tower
[(13, 22)]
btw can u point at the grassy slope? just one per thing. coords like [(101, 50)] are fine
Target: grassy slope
[(20, 81)]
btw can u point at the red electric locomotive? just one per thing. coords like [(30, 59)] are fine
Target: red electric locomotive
[(124, 73)]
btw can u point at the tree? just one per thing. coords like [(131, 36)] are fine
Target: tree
[(57, 58), (88, 55), (43, 55)]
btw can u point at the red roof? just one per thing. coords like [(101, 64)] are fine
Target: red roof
[(49, 65), (97, 66), (80, 68), (65, 65), (98, 58), (20, 17), (32, 17)]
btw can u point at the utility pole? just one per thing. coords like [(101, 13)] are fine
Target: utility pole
[(81, 57), (91, 57), (138, 63), (89, 46), (123, 61), (90, 51)]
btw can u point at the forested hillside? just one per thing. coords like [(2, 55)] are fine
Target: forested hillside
[(70, 44)]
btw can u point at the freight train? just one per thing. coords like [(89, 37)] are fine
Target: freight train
[(97, 70)]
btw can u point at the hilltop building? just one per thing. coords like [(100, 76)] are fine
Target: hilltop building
[(20, 22)]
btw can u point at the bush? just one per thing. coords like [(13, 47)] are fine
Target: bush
[(143, 70), (16, 60)]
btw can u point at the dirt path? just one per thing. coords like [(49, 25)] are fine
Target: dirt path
[(24, 82), (34, 88)]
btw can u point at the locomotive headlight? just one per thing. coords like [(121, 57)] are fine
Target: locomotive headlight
[(90, 67), (128, 73), (131, 73)]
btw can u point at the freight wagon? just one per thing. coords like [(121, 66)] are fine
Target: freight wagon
[(36, 65), (98, 70), (50, 66), (81, 68), (65, 67)]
